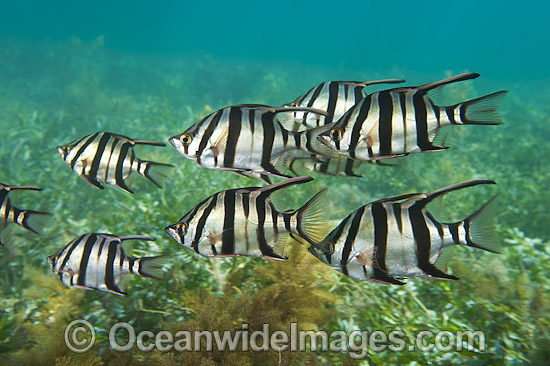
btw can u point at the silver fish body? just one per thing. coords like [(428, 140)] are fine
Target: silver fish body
[(397, 237), (33, 221), (246, 222), (109, 158), (400, 121), (97, 261), (248, 139)]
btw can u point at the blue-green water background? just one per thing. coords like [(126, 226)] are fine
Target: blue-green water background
[(150, 69), (503, 40)]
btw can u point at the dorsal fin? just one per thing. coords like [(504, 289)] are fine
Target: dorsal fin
[(267, 190), (383, 81), (19, 188), (400, 198), (425, 88), (136, 237), (428, 197)]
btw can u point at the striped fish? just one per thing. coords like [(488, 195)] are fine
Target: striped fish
[(97, 261), (33, 221), (248, 139), (105, 157), (400, 121), (333, 97), (246, 222), (397, 237)]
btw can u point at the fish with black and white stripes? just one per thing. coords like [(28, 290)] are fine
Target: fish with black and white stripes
[(33, 221), (250, 222), (333, 97), (400, 121), (398, 237), (97, 261), (249, 139), (105, 157)]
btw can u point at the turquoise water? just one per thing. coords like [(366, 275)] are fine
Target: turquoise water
[(149, 70)]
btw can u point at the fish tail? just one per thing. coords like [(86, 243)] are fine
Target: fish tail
[(155, 172), (151, 266), (482, 110), (312, 218), (33, 220), (480, 228)]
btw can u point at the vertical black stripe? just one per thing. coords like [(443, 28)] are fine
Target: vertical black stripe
[(385, 111), (119, 178), (228, 234), (109, 266), (269, 138), (453, 229), (208, 133), (202, 222), (85, 258), (100, 150), (264, 247), (332, 100), (421, 118), (350, 238), (380, 220), (364, 107), (235, 122), (450, 112)]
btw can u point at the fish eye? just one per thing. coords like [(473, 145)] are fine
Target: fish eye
[(52, 259), (186, 139), (336, 134), (181, 229), (326, 247)]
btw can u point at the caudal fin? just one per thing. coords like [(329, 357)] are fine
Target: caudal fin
[(312, 218), (483, 110), (155, 172), (33, 220), (480, 228), (151, 266)]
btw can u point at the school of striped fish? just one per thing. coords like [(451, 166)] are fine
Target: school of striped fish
[(332, 129)]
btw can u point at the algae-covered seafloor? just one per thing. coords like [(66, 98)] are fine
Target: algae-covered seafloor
[(54, 92)]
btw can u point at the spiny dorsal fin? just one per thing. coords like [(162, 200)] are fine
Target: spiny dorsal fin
[(136, 237), (284, 184), (422, 202)]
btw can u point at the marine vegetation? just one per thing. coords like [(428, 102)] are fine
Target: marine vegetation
[(54, 92)]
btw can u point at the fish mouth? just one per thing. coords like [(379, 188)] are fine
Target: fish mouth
[(173, 233)]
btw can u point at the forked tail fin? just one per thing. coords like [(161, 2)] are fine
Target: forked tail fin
[(151, 266), (33, 220), (155, 172), (481, 111), (480, 228)]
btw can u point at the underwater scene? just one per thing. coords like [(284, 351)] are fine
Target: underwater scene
[(274, 184)]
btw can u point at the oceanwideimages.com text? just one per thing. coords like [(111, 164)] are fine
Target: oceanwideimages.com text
[(80, 337)]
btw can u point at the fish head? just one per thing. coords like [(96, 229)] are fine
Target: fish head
[(178, 232), (204, 146), (52, 261), (323, 251), (64, 151), (336, 137)]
